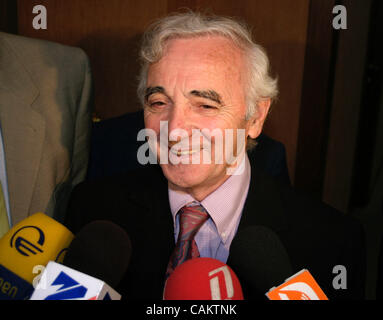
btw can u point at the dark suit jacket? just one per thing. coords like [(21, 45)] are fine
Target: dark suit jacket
[(315, 236)]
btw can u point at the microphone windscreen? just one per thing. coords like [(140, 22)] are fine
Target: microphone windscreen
[(260, 260), (102, 250), (203, 279), (31, 243)]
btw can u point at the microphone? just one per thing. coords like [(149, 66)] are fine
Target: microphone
[(260, 261), (32, 242), (96, 262), (300, 286), (203, 279)]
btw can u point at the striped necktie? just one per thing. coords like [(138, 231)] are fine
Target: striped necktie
[(192, 217), (4, 223)]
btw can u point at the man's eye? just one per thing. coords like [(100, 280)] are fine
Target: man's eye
[(156, 104), (206, 106)]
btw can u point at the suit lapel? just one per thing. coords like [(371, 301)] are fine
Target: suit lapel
[(164, 221), (151, 194), (23, 131), (263, 205)]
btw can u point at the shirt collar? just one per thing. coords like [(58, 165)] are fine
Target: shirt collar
[(224, 204)]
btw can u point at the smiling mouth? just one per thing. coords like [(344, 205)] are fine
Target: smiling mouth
[(184, 152)]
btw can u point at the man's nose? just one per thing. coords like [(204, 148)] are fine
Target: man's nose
[(179, 118)]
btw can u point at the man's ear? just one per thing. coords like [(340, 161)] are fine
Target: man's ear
[(258, 119)]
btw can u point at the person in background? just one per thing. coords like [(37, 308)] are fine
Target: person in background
[(45, 121)]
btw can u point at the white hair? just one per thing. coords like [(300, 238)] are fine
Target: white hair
[(191, 24)]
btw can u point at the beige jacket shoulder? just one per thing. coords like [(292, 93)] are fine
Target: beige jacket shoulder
[(45, 117)]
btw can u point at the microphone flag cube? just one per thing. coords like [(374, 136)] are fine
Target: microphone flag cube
[(300, 286), (59, 282)]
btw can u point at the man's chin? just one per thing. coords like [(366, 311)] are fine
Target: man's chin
[(183, 176), (196, 180)]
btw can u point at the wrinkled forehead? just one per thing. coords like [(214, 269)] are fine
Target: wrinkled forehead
[(208, 46), (216, 54)]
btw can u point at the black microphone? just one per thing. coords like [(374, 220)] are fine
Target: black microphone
[(260, 261), (102, 250), (95, 263)]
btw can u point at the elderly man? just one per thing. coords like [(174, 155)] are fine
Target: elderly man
[(206, 91)]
